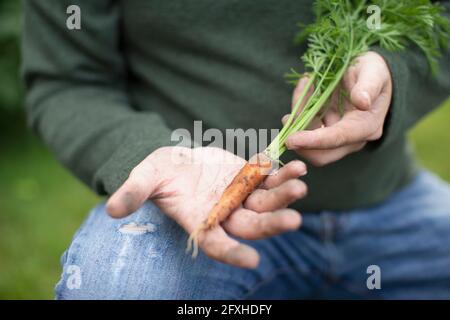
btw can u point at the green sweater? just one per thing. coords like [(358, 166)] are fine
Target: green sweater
[(106, 96)]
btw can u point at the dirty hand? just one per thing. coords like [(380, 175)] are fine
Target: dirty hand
[(369, 85), (185, 184)]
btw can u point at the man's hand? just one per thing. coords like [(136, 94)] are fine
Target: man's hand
[(370, 87), (186, 183)]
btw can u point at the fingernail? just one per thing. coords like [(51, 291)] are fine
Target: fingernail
[(366, 97), (289, 144), (304, 169), (292, 214), (298, 217), (110, 208), (299, 222)]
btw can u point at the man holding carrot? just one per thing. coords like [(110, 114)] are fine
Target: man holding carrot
[(107, 97)]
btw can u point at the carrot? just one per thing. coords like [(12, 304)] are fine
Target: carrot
[(251, 175)]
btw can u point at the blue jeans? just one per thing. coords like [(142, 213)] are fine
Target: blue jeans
[(403, 243)]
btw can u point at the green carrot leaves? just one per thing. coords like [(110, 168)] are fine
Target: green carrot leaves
[(340, 34)]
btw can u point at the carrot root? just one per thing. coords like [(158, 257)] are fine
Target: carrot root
[(192, 243), (251, 175)]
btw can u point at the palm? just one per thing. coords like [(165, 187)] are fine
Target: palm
[(194, 182), (186, 183)]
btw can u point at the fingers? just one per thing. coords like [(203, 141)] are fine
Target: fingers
[(279, 197), (370, 89), (372, 74), (350, 78), (292, 170), (217, 245), (285, 118), (249, 225), (353, 128), (320, 158), (134, 192)]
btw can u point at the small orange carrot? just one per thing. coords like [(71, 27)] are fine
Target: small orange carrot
[(244, 183)]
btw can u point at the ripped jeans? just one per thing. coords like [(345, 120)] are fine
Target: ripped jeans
[(398, 249)]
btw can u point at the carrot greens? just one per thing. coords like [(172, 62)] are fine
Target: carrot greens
[(341, 33)]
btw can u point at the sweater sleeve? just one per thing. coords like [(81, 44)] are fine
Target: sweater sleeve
[(416, 91), (76, 97)]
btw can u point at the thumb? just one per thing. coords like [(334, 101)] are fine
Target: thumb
[(140, 185), (371, 79)]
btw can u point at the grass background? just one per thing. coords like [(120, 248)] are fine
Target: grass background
[(42, 205)]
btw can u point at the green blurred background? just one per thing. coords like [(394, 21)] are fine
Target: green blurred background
[(42, 205)]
